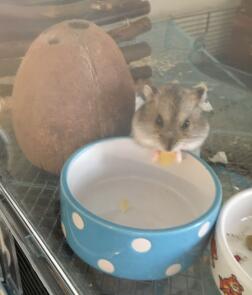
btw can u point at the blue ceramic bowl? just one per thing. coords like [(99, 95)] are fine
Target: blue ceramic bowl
[(131, 218)]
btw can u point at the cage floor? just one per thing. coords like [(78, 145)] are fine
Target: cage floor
[(37, 192)]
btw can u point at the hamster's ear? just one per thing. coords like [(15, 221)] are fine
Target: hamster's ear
[(201, 92), (149, 92)]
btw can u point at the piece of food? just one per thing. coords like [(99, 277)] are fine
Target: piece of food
[(249, 242), (166, 158), (124, 206)]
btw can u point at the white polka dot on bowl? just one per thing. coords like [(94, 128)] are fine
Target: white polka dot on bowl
[(63, 229), (173, 269), (77, 220), (204, 229), (106, 265), (141, 245)]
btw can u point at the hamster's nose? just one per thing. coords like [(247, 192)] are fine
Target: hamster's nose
[(169, 145)]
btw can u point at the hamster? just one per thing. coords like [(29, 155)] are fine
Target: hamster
[(171, 119)]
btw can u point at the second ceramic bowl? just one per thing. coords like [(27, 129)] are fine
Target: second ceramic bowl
[(231, 257)]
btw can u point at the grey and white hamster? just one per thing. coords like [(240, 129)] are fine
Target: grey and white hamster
[(171, 119)]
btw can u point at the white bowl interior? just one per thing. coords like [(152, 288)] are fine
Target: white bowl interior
[(237, 224), (118, 171)]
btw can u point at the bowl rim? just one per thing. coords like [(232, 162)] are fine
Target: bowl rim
[(221, 233), (216, 204)]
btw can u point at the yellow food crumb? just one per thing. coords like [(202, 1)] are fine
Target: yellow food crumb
[(124, 206), (165, 158)]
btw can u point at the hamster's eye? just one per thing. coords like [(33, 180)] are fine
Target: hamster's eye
[(160, 121), (185, 125)]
